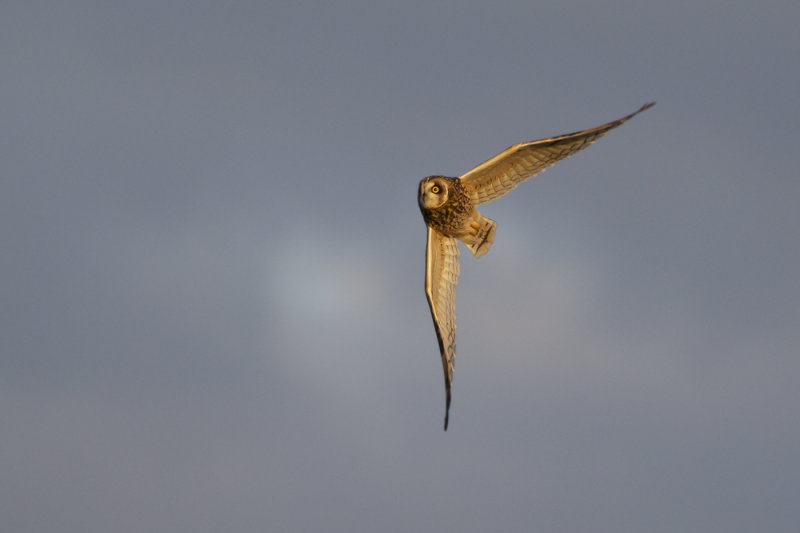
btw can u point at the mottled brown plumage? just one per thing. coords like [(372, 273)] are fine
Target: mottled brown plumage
[(448, 208)]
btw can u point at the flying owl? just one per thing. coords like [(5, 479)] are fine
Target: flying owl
[(448, 207)]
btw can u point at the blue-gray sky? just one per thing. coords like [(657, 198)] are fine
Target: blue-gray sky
[(213, 315)]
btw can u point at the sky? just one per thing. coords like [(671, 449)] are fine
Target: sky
[(213, 315)]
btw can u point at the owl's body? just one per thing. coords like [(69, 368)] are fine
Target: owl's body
[(448, 207)]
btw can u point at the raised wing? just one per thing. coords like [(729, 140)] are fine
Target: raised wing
[(441, 278), (493, 178)]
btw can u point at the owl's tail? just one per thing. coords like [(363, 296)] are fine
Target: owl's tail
[(481, 235)]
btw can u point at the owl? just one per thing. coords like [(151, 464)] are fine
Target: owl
[(448, 208)]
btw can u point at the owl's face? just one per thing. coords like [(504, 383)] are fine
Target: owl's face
[(433, 192)]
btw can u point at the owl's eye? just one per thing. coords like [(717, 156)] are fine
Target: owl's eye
[(435, 189)]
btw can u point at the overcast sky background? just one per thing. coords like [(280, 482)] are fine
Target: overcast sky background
[(213, 316)]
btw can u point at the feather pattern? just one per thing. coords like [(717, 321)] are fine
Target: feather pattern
[(497, 176), (441, 278)]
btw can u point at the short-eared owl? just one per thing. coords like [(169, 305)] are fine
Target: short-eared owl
[(448, 207)]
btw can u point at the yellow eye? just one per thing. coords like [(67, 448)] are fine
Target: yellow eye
[(435, 189)]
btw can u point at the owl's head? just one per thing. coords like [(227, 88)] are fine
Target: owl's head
[(433, 192)]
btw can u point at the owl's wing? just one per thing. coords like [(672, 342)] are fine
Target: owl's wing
[(493, 178), (441, 278)]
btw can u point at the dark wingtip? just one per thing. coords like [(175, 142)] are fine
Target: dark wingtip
[(626, 118), (447, 411)]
